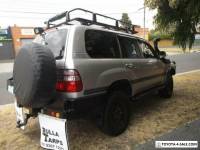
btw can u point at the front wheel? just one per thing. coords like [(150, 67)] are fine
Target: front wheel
[(167, 91), (116, 114)]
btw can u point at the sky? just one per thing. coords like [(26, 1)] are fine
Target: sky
[(35, 12)]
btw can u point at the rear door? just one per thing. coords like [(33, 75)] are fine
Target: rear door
[(133, 62), (104, 64)]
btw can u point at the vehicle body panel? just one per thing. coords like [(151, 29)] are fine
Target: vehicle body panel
[(98, 74)]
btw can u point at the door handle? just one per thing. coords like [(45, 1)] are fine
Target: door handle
[(130, 66), (150, 62)]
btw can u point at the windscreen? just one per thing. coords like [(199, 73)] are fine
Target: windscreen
[(54, 40)]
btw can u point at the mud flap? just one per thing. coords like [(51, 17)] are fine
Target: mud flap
[(53, 133)]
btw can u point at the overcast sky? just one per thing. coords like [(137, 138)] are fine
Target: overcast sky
[(35, 12)]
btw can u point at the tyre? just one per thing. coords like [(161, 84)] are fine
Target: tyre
[(116, 114), (34, 76), (167, 91)]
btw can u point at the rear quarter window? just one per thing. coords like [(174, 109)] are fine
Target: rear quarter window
[(101, 44)]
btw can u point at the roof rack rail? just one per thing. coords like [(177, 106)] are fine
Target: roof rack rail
[(88, 22)]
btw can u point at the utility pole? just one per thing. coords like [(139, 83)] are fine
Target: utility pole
[(144, 19)]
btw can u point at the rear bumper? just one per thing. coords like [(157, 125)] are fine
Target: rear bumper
[(79, 107)]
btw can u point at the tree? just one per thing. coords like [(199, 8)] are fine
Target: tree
[(180, 16), (127, 22)]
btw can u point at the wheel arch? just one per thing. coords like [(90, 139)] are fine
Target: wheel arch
[(123, 85)]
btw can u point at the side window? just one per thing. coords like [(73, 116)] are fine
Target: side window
[(100, 44), (129, 47), (146, 49)]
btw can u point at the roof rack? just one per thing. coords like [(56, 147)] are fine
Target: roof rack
[(88, 22)]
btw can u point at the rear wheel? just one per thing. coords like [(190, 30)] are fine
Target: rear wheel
[(167, 91), (116, 114)]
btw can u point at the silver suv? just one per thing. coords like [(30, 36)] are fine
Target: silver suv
[(91, 68)]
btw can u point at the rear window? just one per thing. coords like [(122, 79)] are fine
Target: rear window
[(54, 40), (100, 44)]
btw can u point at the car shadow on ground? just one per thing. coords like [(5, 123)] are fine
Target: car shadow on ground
[(145, 104)]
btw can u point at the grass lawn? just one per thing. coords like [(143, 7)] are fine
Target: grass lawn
[(152, 116)]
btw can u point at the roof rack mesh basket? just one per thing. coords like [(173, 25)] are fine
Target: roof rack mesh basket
[(88, 22)]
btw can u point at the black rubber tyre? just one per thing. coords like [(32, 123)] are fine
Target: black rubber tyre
[(167, 91), (34, 76), (116, 114)]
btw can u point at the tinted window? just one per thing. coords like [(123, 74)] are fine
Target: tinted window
[(100, 44), (129, 47), (146, 49), (55, 40)]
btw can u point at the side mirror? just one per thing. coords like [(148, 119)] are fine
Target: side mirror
[(162, 54), (38, 30)]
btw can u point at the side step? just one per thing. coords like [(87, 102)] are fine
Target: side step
[(146, 92)]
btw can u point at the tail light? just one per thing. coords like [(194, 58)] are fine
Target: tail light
[(69, 81)]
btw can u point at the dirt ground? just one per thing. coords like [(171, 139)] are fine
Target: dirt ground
[(151, 117)]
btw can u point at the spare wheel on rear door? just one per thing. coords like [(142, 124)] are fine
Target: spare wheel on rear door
[(34, 75)]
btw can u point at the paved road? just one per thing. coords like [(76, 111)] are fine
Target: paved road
[(188, 132), (185, 62), (5, 97), (5, 73)]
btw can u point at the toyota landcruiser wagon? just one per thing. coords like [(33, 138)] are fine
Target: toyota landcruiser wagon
[(84, 67)]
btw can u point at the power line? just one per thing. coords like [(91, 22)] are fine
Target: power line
[(23, 17), (45, 13), (37, 2), (122, 13), (53, 13), (26, 12)]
